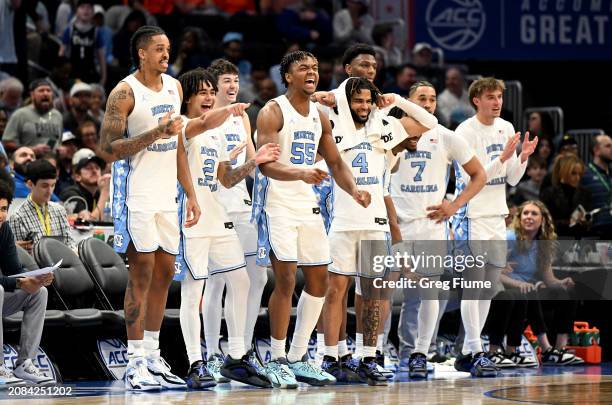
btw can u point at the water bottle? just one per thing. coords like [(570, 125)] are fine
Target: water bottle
[(106, 214)]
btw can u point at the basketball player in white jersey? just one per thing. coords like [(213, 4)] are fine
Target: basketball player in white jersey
[(418, 186), (211, 248), (139, 132), (359, 60), (479, 227), (291, 231), (236, 131), (354, 227)]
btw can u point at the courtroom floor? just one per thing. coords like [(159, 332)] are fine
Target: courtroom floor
[(550, 385)]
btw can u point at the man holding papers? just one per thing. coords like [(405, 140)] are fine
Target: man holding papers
[(27, 294)]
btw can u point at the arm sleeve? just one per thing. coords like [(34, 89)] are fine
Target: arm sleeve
[(415, 111), (9, 261)]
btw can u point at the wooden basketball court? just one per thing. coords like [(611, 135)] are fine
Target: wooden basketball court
[(569, 385)]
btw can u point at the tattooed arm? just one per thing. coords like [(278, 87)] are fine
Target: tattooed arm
[(229, 177), (112, 134)]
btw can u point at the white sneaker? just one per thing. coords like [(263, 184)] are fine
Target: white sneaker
[(138, 378), (27, 371), (388, 374), (160, 370), (524, 360), (7, 378), (501, 359)]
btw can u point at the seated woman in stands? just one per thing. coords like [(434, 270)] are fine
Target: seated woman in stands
[(528, 280)]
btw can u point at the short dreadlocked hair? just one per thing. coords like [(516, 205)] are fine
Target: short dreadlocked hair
[(290, 59), (220, 67), (354, 85), (192, 81), (139, 40)]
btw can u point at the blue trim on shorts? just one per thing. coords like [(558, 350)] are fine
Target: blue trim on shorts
[(180, 263), (323, 263), (338, 272)]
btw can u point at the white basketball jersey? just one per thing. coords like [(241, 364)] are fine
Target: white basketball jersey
[(370, 168), (236, 199), (299, 141), (204, 152), (488, 142), (422, 175), (151, 173)]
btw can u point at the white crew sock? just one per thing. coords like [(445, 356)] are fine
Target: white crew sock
[(151, 343), (342, 348), (277, 347), (369, 351), (320, 344), (358, 345), (427, 319), (332, 351), (135, 349), (380, 339), (191, 294), (471, 323)]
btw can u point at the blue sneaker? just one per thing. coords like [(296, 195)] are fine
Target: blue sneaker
[(279, 374), (350, 370), (138, 378), (331, 366), (199, 377), (242, 370), (404, 365), (310, 373), (214, 364), (483, 367), (463, 362), (417, 367)]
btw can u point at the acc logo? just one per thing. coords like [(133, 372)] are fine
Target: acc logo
[(261, 253), (118, 240), (177, 267), (456, 25)]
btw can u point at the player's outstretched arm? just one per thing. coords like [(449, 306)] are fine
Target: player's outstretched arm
[(113, 142), (269, 122), (340, 171), (419, 114), (229, 176), (213, 119)]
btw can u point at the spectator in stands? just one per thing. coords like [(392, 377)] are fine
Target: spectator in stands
[(105, 33), (3, 120), (529, 189), (89, 195), (83, 44), (97, 103), (308, 26), (121, 41), (454, 96), (19, 162), (598, 180), (541, 124), (353, 23), (232, 51), (544, 150), (405, 77), (80, 100), (4, 161), (27, 294), (63, 15), (530, 261), (11, 91), (565, 195), (384, 41), (38, 216), (65, 152), (422, 57), (37, 125), (87, 135), (266, 90), (117, 15), (8, 53), (60, 79), (568, 145), (192, 52)]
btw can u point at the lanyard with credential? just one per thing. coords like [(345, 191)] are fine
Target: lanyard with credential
[(603, 181), (45, 221)]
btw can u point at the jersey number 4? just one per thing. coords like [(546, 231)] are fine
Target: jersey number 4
[(361, 162), (302, 153)]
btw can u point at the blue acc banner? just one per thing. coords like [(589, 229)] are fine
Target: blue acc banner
[(516, 29)]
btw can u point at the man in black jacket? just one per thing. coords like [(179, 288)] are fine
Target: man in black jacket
[(27, 294)]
